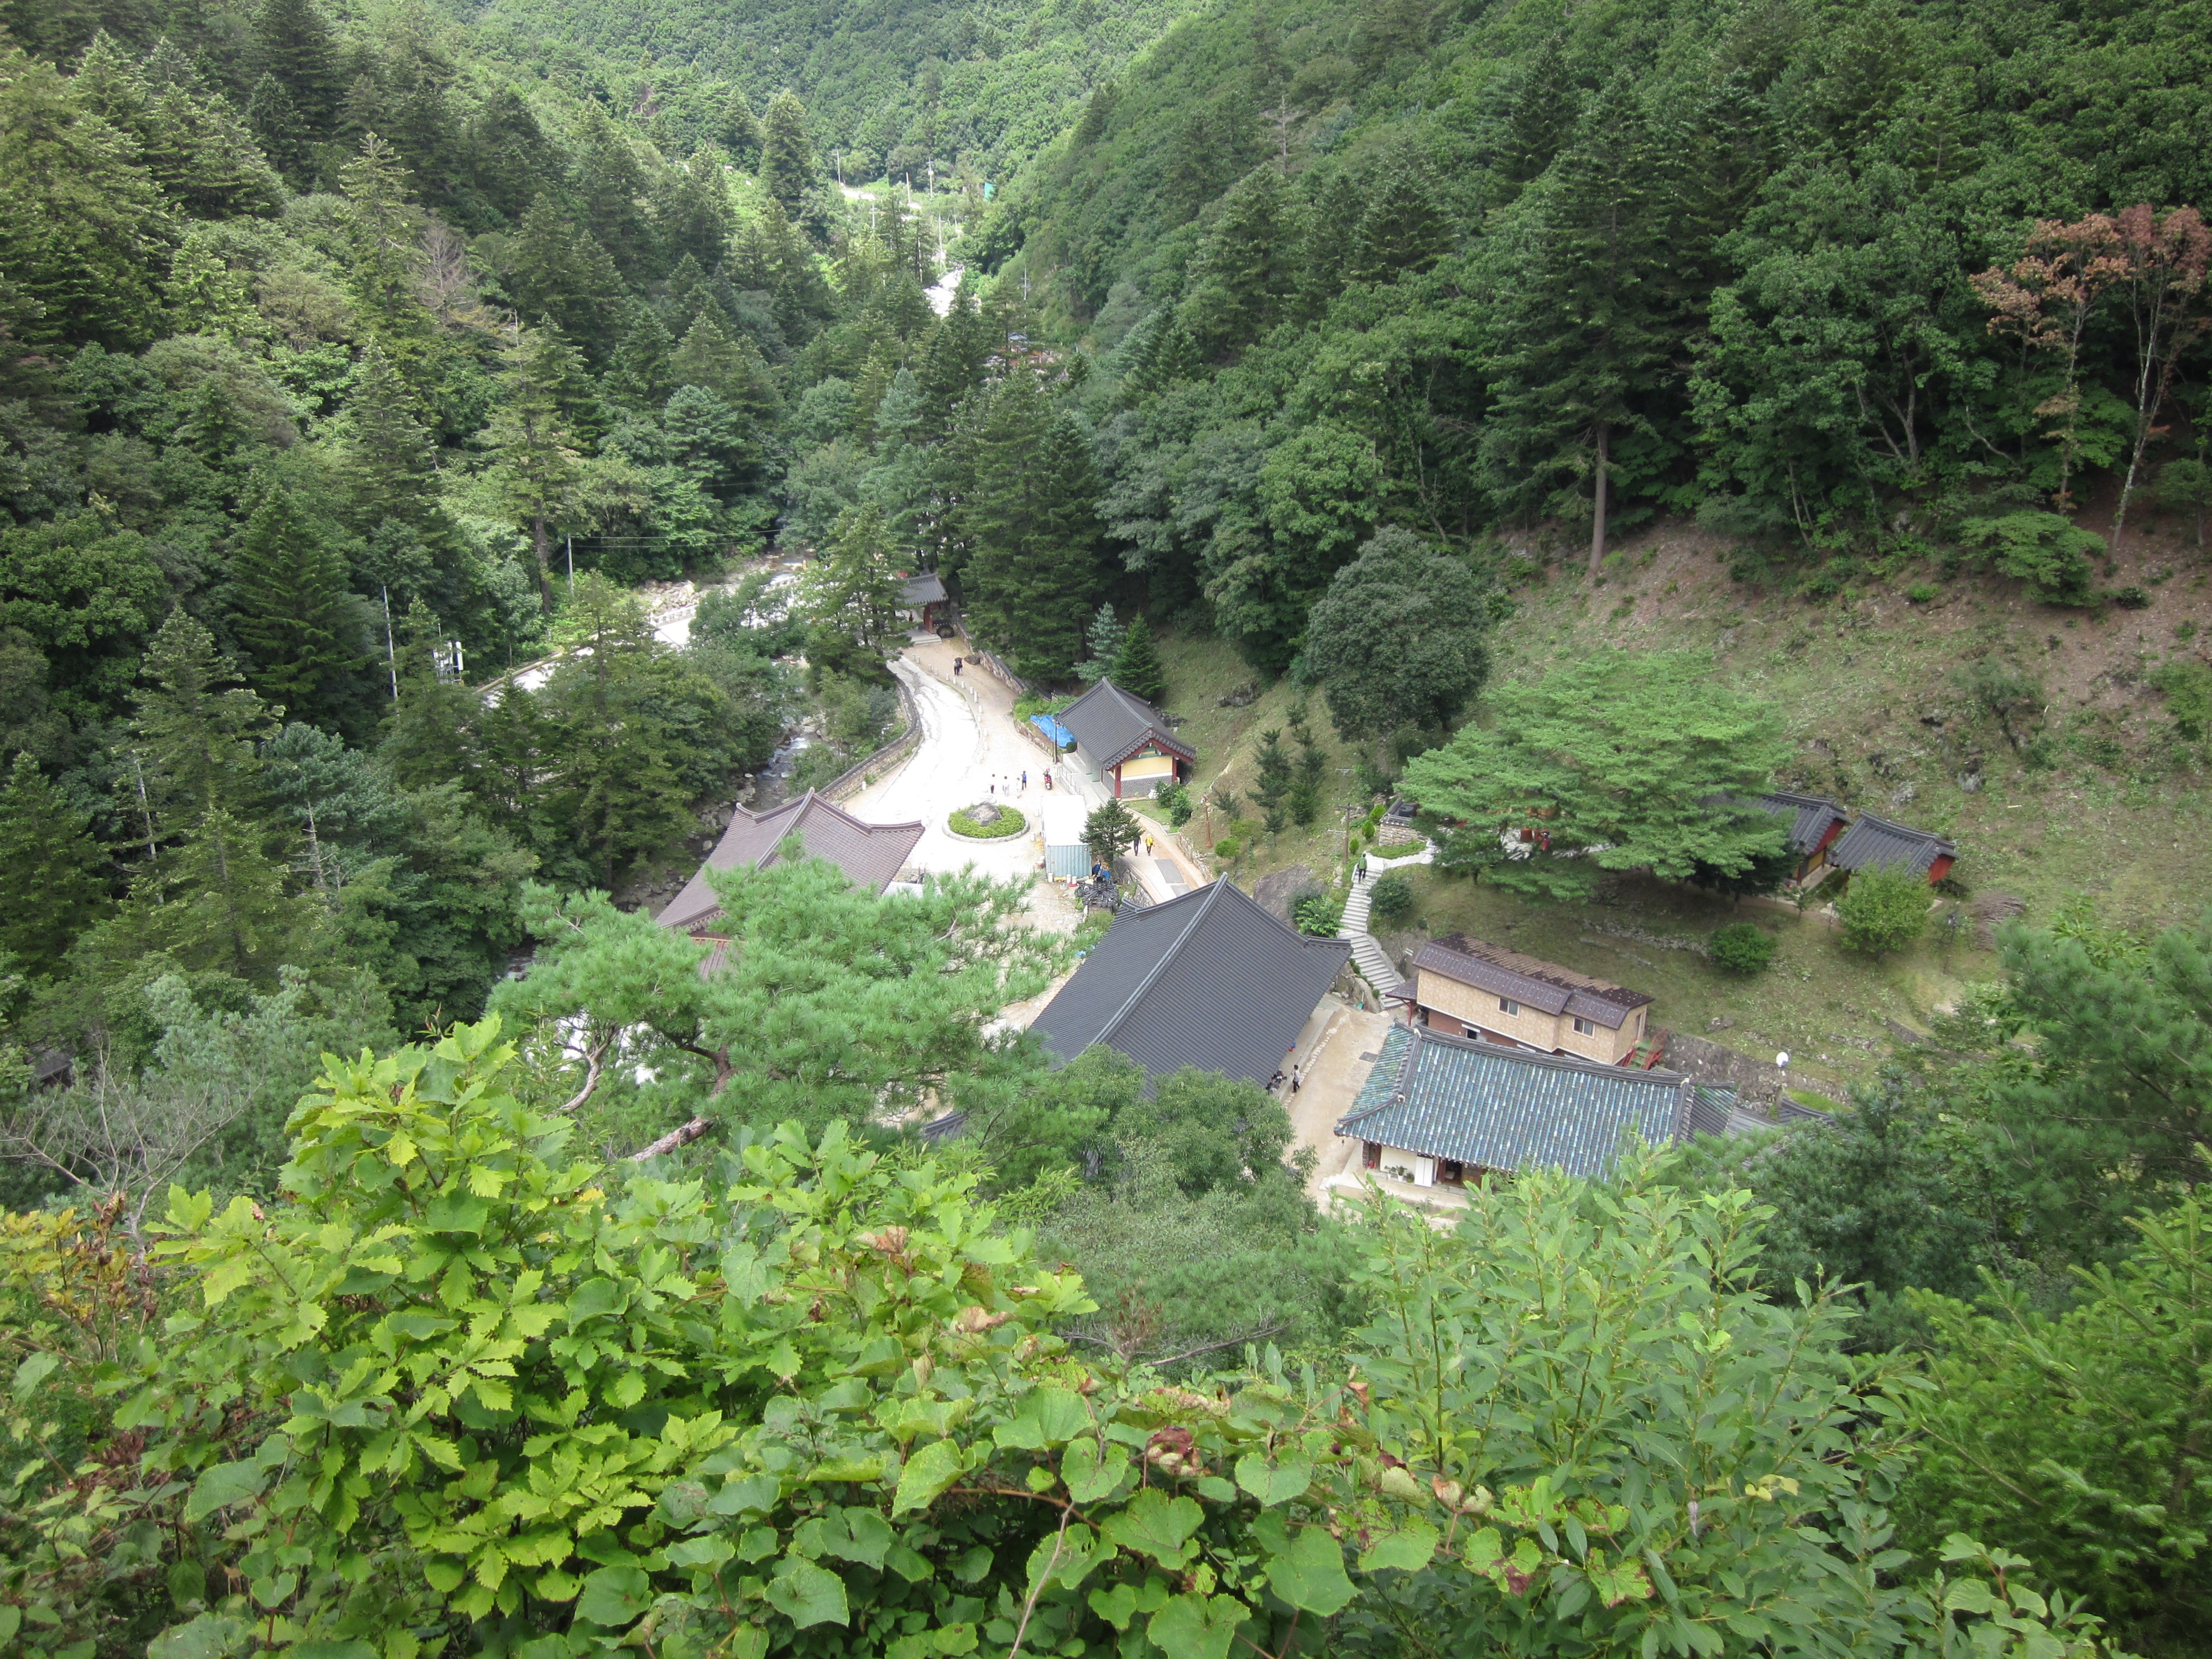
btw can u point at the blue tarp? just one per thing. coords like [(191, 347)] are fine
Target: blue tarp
[(1053, 729)]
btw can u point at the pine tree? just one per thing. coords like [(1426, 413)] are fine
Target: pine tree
[(1543, 115), (640, 373), (1137, 664), (787, 168), (195, 729), (1584, 349), (854, 586), (539, 468), (299, 624), (692, 213), (1404, 231), (741, 131), (1104, 638), (732, 369), (609, 190), (1245, 275), (1033, 576), (561, 275), (391, 460), (292, 43), (509, 155), (383, 234), (51, 882)]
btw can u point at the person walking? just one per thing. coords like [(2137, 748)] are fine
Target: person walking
[(1295, 1071), (1025, 780), (955, 668)]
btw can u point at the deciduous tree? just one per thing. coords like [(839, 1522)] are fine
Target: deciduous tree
[(1615, 762)]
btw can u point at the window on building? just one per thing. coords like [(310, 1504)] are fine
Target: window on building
[(1586, 1027), (1507, 1005)]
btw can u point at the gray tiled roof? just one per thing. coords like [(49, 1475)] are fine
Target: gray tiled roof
[(1810, 816), (1497, 1108), (1876, 843), (1111, 724), (1541, 984), (870, 854), (1209, 979), (926, 589)]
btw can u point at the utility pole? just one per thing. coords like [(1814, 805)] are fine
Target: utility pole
[(390, 656)]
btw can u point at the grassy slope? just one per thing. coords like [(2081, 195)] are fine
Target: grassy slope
[(1866, 680)]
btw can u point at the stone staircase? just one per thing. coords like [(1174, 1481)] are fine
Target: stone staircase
[(1367, 953)]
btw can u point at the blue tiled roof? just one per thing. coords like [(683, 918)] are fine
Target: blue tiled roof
[(1498, 1108)]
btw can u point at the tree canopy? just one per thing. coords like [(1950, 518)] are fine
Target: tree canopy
[(1615, 762)]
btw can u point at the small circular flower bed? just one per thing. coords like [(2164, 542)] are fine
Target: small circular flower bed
[(985, 821)]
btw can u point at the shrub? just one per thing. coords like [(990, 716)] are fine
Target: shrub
[(1884, 910), (1391, 899), (1742, 947), (1007, 823), (1175, 800), (2188, 689), (1320, 914), (1922, 593), (2044, 550), (1228, 848)]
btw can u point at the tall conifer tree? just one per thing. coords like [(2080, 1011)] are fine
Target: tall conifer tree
[(298, 622), (50, 869), (787, 168), (1137, 664), (1582, 339)]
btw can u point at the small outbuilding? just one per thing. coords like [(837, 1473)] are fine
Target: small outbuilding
[(1874, 843), (1444, 1110), (1815, 822), (1123, 741), (922, 598), (870, 854), (1209, 980)]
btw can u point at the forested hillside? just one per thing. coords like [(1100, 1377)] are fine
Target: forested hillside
[(893, 85), (1485, 269)]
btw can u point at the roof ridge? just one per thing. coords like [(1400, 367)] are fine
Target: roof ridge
[(1152, 974), (1538, 1057)]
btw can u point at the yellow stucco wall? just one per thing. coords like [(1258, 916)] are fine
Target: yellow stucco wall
[(1550, 1032)]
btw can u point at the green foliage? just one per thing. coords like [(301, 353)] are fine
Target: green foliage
[(1007, 823), (835, 1370), (1110, 831), (1884, 909), (1390, 900), (1625, 763), (1398, 639), (825, 1002), (2081, 1435), (1742, 947), (1319, 915), (2187, 685), (51, 869), (2042, 549), (1137, 667), (1174, 799)]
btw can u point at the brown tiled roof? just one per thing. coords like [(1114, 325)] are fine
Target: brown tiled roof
[(870, 854), (1541, 985)]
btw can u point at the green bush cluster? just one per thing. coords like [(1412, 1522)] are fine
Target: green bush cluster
[(1008, 822), (1742, 947)]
